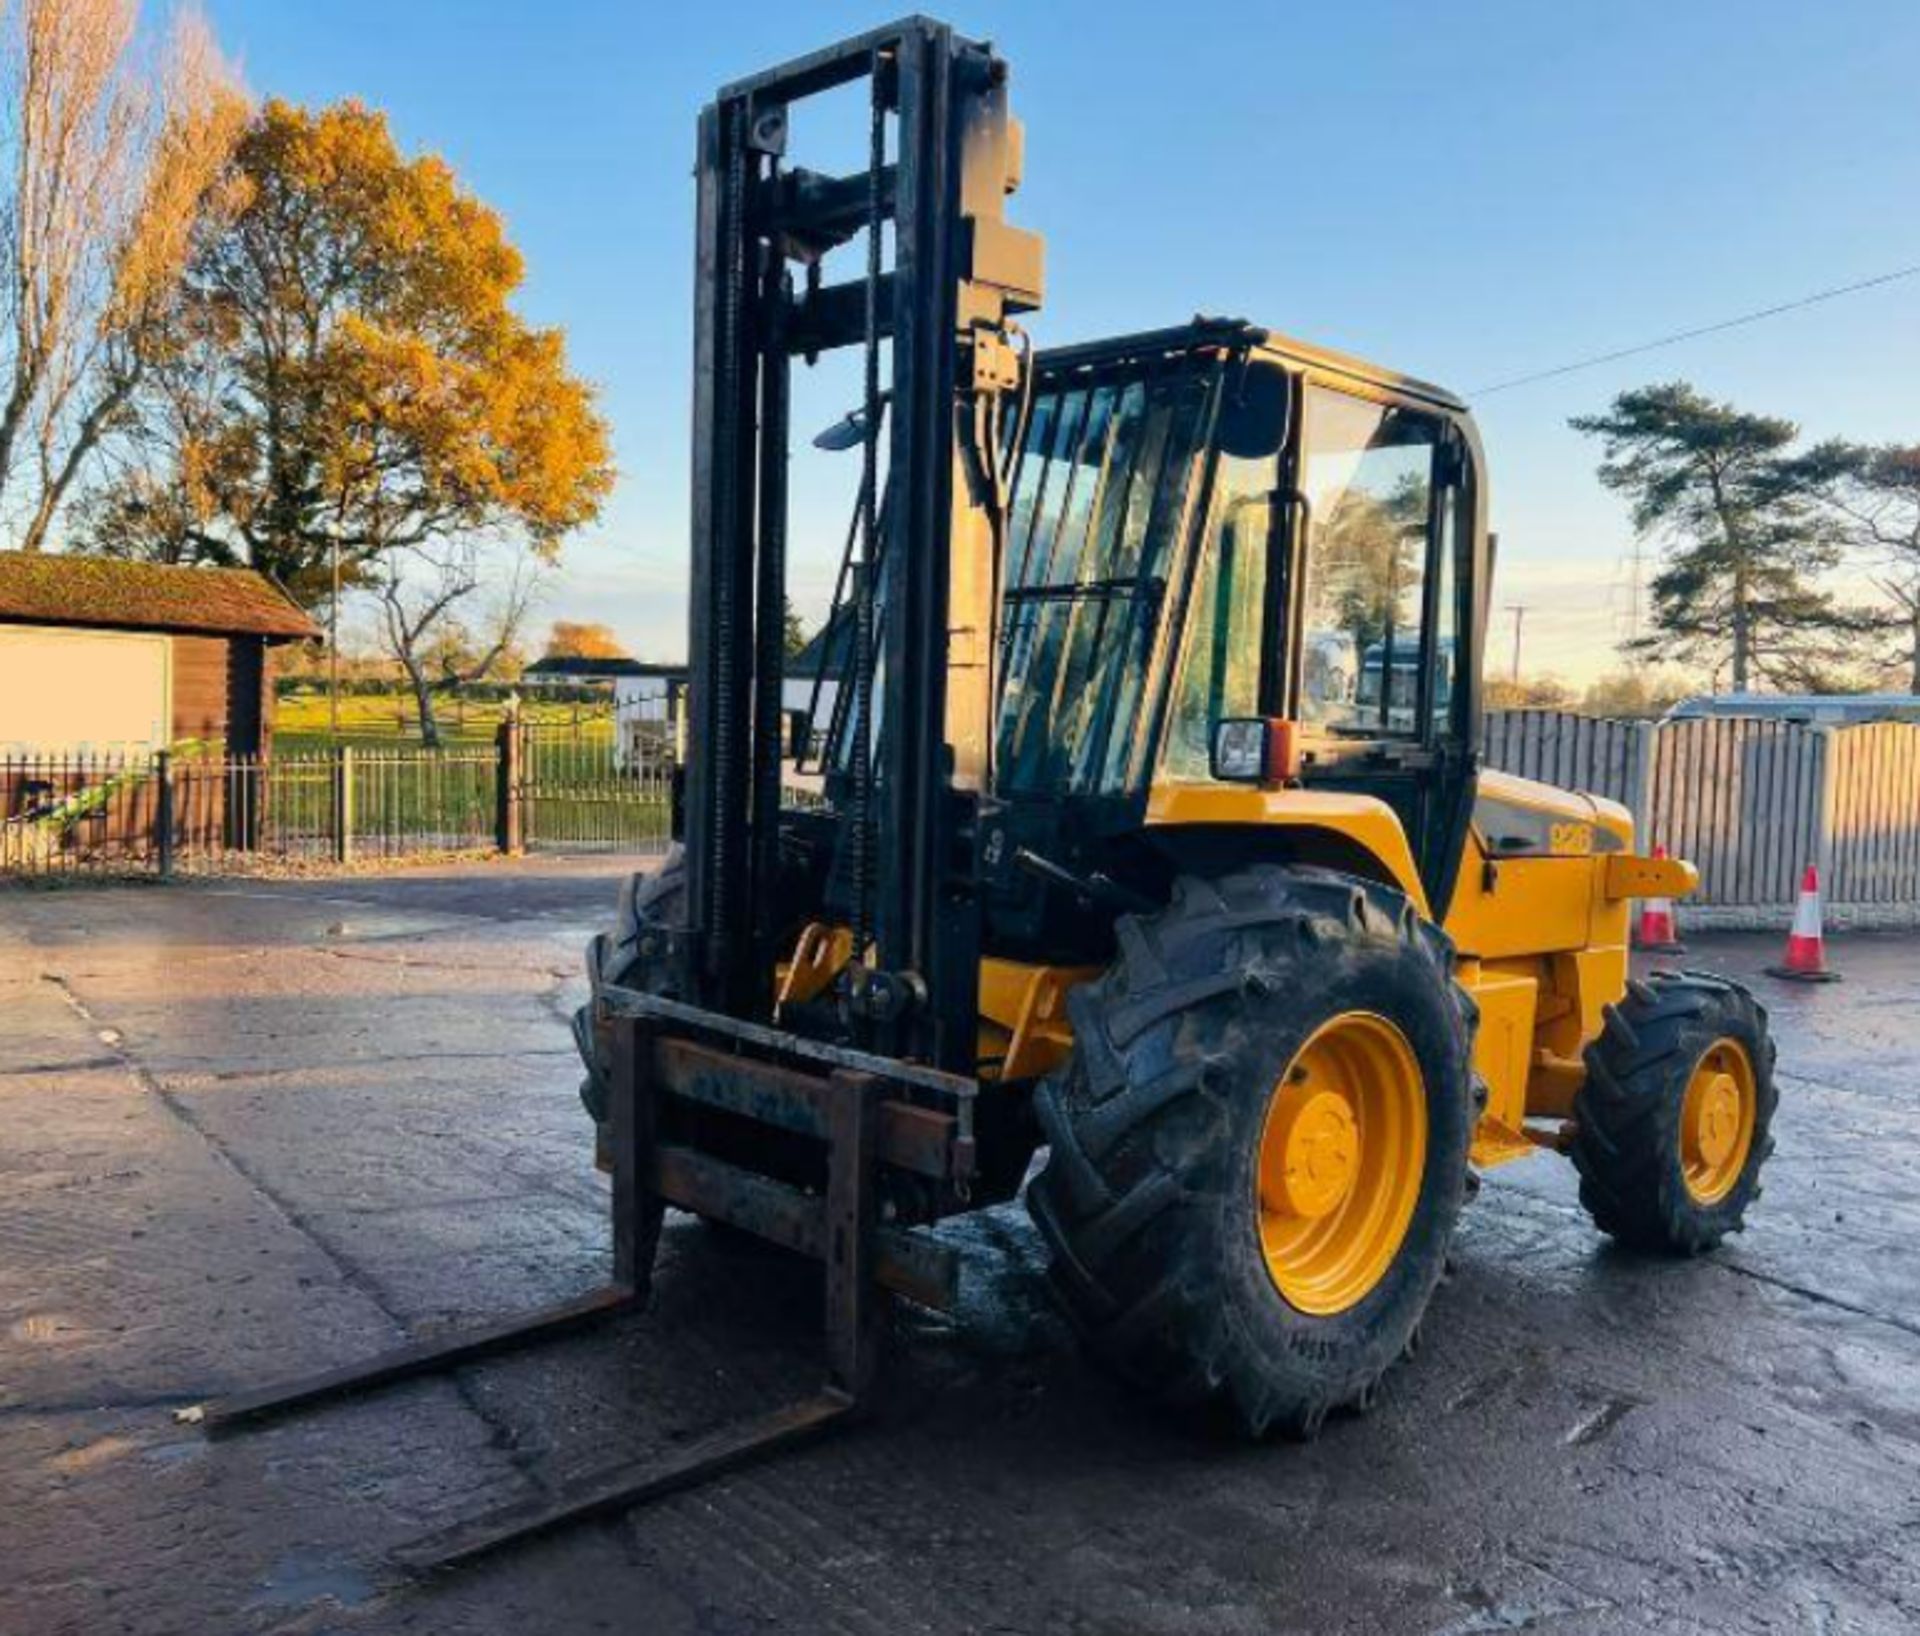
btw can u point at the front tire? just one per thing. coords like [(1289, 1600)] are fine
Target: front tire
[(621, 958), (1231, 1101)]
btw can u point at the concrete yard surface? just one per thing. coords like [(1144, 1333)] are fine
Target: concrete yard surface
[(257, 1128)]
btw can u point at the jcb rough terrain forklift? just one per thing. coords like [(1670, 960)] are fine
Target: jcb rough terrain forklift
[(1153, 830), (1148, 828)]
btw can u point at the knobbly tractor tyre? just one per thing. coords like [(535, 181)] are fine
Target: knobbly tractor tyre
[(620, 958), (1676, 1116), (1259, 1145)]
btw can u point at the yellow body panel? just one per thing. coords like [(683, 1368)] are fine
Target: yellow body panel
[(1522, 906), (1369, 823), (1023, 1015), (1503, 1048), (1555, 894), (1542, 910), (1539, 919)]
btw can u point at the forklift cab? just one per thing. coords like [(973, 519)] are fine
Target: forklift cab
[(1211, 524)]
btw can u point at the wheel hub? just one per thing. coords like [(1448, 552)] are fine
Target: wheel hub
[(1717, 1121), (1319, 1142), (1342, 1155)]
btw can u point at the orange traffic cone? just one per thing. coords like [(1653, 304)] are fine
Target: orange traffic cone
[(1806, 960), (1658, 932)]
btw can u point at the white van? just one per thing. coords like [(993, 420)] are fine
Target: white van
[(1812, 709)]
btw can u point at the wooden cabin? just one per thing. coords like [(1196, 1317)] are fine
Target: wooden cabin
[(103, 656), (104, 662)]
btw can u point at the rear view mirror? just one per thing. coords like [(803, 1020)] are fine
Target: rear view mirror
[(1253, 415)]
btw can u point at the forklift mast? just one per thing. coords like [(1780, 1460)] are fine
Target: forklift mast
[(943, 366)]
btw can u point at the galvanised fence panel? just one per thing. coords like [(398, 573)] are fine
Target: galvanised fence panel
[(1739, 798), (1872, 814), (1610, 758), (1750, 802)]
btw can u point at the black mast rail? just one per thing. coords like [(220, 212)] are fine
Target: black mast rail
[(932, 318)]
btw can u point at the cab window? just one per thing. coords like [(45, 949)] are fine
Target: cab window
[(1220, 671), (1367, 471)]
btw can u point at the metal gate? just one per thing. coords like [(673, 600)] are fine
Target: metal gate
[(596, 777)]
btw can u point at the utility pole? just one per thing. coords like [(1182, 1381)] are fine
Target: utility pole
[(1519, 612), (1636, 561)]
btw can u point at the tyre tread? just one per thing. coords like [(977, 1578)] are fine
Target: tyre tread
[(1139, 1098)]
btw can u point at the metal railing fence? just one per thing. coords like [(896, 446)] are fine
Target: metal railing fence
[(1750, 802), (594, 791), (160, 812)]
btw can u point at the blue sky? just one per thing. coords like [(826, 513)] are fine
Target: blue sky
[(1467, 193)]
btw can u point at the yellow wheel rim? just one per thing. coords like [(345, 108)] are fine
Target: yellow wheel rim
[(1342, 1153), (1716, 1121)]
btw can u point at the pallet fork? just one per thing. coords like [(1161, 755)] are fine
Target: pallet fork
[(847, 1106)]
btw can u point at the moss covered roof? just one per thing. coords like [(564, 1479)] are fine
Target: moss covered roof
[(58, 589)]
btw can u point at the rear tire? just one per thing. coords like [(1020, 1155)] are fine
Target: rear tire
[(1154, 1200), (1652, 1175)]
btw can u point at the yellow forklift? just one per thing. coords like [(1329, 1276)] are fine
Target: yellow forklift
[(1154, 818), (1147, 827)]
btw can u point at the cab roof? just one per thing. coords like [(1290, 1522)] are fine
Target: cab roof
[(1238, 333)]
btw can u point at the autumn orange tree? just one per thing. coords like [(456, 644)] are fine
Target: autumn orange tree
[(572, 639), (355, 395)]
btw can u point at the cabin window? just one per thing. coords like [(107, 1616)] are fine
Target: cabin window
[(1367, 470)]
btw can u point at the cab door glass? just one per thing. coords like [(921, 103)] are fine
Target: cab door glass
[(1220, 672), (1367, 470)]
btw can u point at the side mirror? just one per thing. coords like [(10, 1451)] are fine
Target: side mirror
[(1256, 750), (1254, 413)]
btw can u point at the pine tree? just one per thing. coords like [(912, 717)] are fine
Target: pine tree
[(1745, 539)]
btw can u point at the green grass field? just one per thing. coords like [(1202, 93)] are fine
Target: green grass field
[(389, 721)]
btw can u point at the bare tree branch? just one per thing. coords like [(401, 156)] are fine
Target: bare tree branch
[(417, 590), (113, 149)]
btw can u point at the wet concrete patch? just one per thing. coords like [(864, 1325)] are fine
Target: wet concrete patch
[(302, 1144), (301, 1579)]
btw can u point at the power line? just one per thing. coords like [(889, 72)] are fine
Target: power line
[(1599, 358)]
